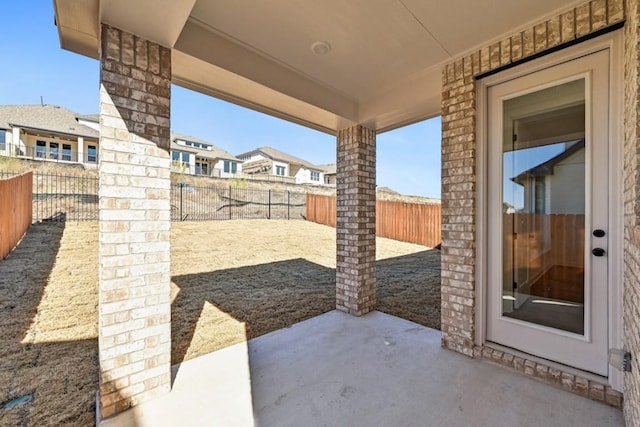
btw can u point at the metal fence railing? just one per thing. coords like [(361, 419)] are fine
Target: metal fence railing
[(60, 153), (60, 197), (199, 203)]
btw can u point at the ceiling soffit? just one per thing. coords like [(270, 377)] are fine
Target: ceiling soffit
[(382, 70)]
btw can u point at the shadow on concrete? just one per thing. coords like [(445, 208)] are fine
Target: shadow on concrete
[(267, 297), (41, 383)]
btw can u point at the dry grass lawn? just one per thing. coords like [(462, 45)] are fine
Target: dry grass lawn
[(231, 281)]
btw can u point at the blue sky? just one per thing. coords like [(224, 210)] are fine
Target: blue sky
[(35, 66)]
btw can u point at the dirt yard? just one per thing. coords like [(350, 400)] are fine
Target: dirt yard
[(231, 281)]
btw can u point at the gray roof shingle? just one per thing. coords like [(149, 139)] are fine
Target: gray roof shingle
[(47, 118), (329, 169), (213, 153), (284, 157)]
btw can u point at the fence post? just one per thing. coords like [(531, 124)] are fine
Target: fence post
[(229, 202), (288, 204), (181, 186), (269, 215)]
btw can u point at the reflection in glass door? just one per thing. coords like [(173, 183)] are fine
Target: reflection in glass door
[(543, 214)]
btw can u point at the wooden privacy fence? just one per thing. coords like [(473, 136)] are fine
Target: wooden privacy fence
[(15, 211), (407, 222)]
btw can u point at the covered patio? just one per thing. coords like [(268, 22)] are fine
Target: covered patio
[(374, 370), (353, 70)]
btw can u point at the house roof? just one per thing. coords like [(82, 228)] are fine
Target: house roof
[(546, 168), (329, 169), (281, 156), (89, 117), (212, 153), (45, 118)]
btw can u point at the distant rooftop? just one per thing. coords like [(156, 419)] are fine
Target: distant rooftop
[(284, 157), (212, 153), (329, 169), (46, 119)]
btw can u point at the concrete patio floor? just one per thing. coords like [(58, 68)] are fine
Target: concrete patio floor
[(340, 370)]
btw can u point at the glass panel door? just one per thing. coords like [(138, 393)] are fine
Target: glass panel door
[(543, 164), (547, 196)]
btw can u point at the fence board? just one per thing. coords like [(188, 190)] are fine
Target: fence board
[(407, 222), (15, 211)]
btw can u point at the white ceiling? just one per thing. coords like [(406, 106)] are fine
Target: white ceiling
[(383, 69)]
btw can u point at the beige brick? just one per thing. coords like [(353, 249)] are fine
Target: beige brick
[(516, 47), (134, 200), (540, 37), (554, 35), (598, 14), (583, 20), (568, 26), (355, 274), (615, 11)]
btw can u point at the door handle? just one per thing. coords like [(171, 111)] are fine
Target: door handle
[(598, 252)]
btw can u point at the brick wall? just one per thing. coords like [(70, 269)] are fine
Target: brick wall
[(631, 296), (356, 221), (134, 176), (459, 189), (459, 153)]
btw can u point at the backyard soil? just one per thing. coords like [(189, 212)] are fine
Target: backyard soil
[(231, 281)]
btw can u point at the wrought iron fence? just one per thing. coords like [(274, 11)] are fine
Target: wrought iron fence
[(197, 203), (60, 197)]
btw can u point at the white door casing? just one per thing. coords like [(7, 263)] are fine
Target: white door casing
[(586, 351)]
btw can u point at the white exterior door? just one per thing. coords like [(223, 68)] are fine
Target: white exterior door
[(548, 213)]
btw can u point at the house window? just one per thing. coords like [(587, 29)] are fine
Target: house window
[(66, 152), (230, 166), (41, 149), (92, 154), (175, 156), (53, 150), (315, 176), (3, 140), (540, 196), (185, 158), (280, 170), (205, 168)]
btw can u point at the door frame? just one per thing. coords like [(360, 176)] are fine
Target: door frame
[(613, 42)]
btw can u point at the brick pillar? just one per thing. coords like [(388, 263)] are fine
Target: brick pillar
[(134, 258), (356, 221), (458, 210)]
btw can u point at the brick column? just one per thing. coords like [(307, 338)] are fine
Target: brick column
[(134, 253), (356, 221)]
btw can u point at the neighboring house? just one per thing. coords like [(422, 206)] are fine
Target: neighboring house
[(329, 173), (48, 133), (198, 157), (269, 161), (550, 187)]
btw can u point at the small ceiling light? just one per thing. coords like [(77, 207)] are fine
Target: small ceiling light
[(321, 48)]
